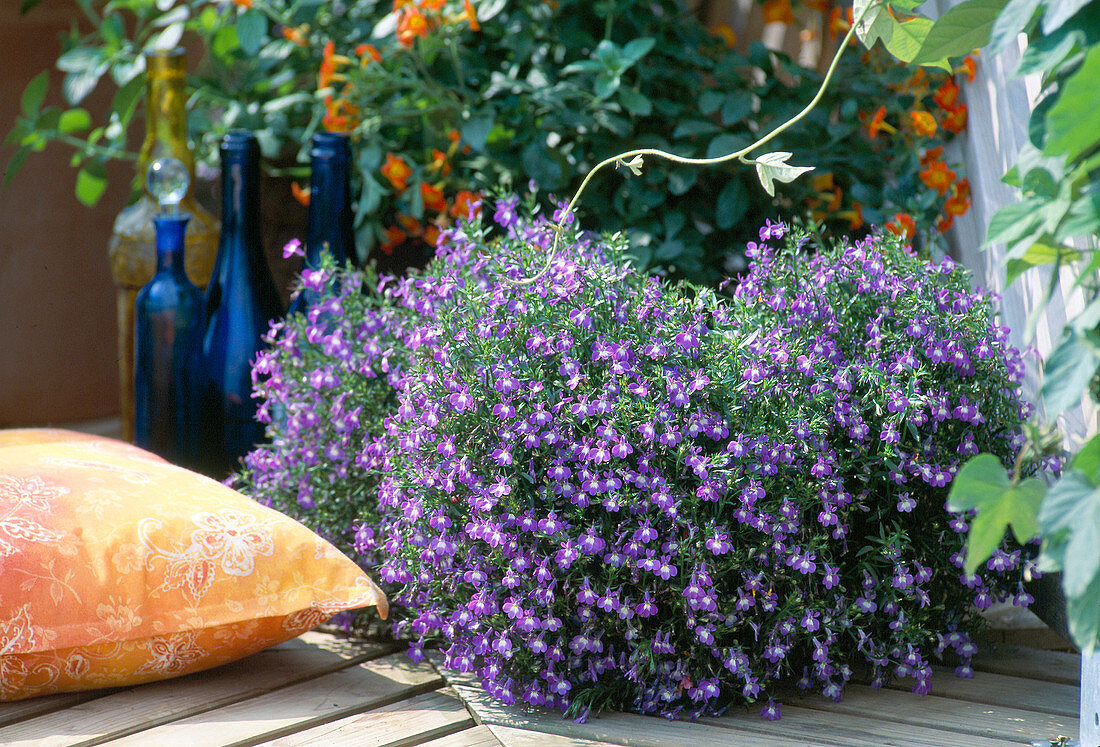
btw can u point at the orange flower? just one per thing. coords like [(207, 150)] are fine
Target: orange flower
[(301, 195), (412, 24), (410, 224), (296, 34), (947, 94), (959, 201), (938, 177), (877, 122), (777, 11), (944, 222), (930, 155), (454, 136), (432, 4), (819, 5), (969, 66), (854, 216), (463, 201), (917, 82), (397, 171), (725, 33), (840, 20), (955, 121), (923, 123), (433, 197), (902, 225), (470, 15), (394, 238), (329, 59), (439, 162), (243, 3), (431, 235), (341, 115), (368, 51)]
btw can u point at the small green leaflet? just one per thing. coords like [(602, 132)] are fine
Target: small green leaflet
[(983, 484), (773, 167)]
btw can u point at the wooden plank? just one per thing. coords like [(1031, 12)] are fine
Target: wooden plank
[(407, 722), (616, 728), (348, 691), (510, 737), (976, 719), (21, 710), (1003, 690), (798, 725), (1032, 663), (131, 710), (477, 736)]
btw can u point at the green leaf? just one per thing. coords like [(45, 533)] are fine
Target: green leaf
[(77, 85), (681, 180), (1073, 122), (983, 485), (732, 204), (1012, 20), (251, 29), (79, 59), (35, 93), (738, 106), (15, 163), (636, 50), (606, 84), (1087, 460), (905, 39), (725, 144), (1046, 52), (773, 167), (1083, 616), (90, 183), (74, 120), (1073, 506), (1083, 218), (126, 99), (1012, 222), (1039, 253), (636, 103), (694, 127), (960, 30), (1067, 373), (476, 131), (1059, 12), (710, 100)]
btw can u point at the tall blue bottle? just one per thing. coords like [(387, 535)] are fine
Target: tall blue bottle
[(241, 301), (330, 222), (168, 328)]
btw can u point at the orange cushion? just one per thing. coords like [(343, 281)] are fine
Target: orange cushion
[(118, 568)]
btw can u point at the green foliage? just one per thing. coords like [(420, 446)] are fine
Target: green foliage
[(1058, 175)]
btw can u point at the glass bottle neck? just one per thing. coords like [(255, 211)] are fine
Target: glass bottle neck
[(329, 223), (165, 111), (170, 232), (241, 197)]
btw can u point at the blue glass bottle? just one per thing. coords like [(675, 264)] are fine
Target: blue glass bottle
[(168, 327), (330, 222), (241, 301)]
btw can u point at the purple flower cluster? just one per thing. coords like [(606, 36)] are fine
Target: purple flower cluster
[(598, 491)]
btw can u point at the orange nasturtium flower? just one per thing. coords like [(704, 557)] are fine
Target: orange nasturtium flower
[(329, 61), (840, 20), (854, 216), (902, 225), (955, 120), (463, 201), (724, 32), (340, 115), (397, 171), (469, 14), (938, 177), (439, 162), (243, 3), (368, 52), (301, 195), (930, 155), (412, 24), (433, 197), (970, 67), (923, 123), (959, 201), (878, 122), (777, 11), (947, 94), (431, 235), (394, 238), (944, 222), (296, 34), (432, 4)]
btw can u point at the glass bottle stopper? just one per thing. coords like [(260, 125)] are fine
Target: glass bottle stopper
[(168, 180)]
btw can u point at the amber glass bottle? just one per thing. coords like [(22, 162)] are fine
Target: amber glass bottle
[(132, 249)]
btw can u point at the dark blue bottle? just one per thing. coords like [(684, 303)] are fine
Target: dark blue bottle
[(241, 301), (330, 222), (168, 327)]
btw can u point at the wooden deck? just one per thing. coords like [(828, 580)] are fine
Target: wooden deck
[(321, 689)]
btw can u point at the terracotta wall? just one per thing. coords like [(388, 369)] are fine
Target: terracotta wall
[(57, 301)]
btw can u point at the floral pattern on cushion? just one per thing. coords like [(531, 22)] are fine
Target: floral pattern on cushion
[(117, 568)]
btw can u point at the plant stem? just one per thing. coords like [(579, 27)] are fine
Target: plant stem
[(736, 155)]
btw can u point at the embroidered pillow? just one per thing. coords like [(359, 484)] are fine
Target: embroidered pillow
[(118, 568)]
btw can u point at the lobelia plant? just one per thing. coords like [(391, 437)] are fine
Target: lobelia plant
[(598, 491)]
